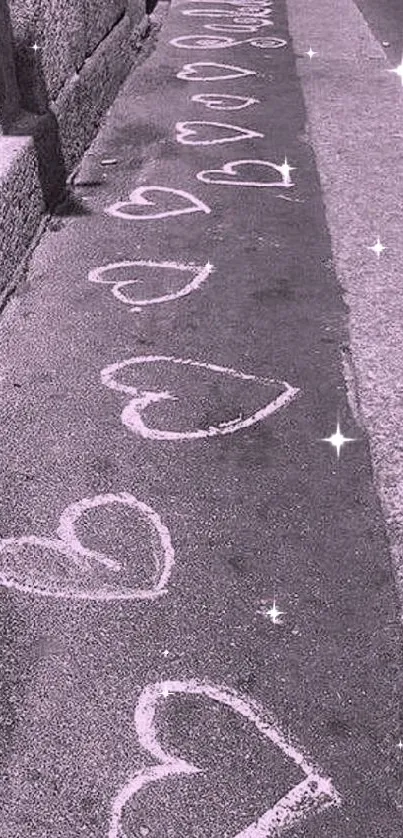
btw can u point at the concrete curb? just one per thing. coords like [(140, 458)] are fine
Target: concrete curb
[(43, 150)]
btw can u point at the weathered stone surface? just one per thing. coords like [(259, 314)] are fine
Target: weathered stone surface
[(71, 92), (85, 97), (9, 96), (100, 19), (21, 204), (59, 30)]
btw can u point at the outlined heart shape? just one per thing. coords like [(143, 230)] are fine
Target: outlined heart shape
[(137, 199), (238, 27), (198, 274), (313, 794), (231, 169), (222, 42), (131, 416), (222, 101), (190, 72), (184, 130), (83, 562)]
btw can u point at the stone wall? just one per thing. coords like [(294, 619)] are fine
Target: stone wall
[(70, 58)]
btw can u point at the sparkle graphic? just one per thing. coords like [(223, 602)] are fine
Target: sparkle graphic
[(35, 47), (285, 170), (400, 744), (337, 439), (273, 613), (378, 248), (398, 70), (311, 53)]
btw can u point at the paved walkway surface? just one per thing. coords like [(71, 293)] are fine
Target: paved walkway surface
[(168, 374)]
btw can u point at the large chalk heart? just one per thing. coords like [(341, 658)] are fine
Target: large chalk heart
[(224, 101), (63, 568), (137, 199), (196, 383), (193, 72), (229, 175), (191, 133), (313, 794), (164, 273)]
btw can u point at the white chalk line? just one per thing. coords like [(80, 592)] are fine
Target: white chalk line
[(185, 130), (231, 169), (221, 101), (131, 414), (68, 544), (200, 274), (189, 72), (313, 794), (136, 198)]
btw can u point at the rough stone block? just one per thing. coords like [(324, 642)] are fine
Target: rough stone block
[(59, 30), (21, 205), (9, 95), (100, 19), (85, 97)]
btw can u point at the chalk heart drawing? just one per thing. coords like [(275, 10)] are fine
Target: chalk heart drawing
[(313, 794), (221, 42), (107, 275), (224, 101), (192, 72), (138, 200), (63, 568), (229, 175), (241, 28), (131, 416), (188, 133)]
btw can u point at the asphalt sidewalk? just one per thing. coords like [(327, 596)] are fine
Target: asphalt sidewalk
[(168, 373)]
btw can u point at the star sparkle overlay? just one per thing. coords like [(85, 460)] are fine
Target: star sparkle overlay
[(337, 439), (398, 70), (378, 247), (273, 613), (310, 53), (285, 170), (400, 745), (35, 47)]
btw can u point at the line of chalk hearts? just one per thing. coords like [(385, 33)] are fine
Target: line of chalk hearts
[(228, 177), (142, 399), (102, 275), (81, 560), (313, 794)]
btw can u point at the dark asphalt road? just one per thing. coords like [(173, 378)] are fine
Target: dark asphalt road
[(251, 510)]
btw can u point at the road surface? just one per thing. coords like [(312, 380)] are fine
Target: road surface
[(196, 322)]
